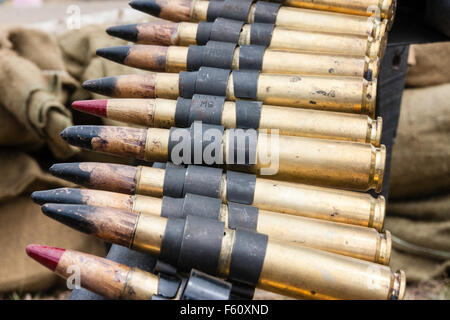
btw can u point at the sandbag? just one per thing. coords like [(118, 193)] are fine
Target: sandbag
[(431, 65), (26, 96), (418, 213), (23, 223), (421, 154), (79, 53)]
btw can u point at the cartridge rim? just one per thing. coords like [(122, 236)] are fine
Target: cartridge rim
[(399, 286), (383, 46), (369, 97), (379, 28), (379, 213), (376, 140), (380, 162), (373, 48), (391, 11), (373, 65), (384, 255)]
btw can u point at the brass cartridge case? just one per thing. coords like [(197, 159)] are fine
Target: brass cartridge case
[(306, 63), (346, 207), (297, 40), (345, 165), (301, 272), (286, 62), (316, 202), (160, 113), (148, 234), (321, 275), (358, 242), (385, 9), (328, 22), (309, 20), (321, 124), (141, 285), (351, 95)]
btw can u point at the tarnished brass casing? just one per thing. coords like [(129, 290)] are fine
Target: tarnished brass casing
[(308, 20), (357, 242), (345, 165), (147, 205), (150, 181), (320, 203), (316, 274), (148, 234), (294, 270), (342, 206), (140, 285), (298, 40), (341, 94), (382, 8), (157, 144), (306, 63)]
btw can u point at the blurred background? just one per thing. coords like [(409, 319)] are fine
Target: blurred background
[(47, 49)]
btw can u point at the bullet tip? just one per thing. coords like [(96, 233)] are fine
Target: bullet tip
[(127, 32), (103, 86), (47, 256), (94, 107), (148, 6), (37, 197), (117, 54), (81, 136)]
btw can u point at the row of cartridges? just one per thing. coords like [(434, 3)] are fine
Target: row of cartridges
[(259, 120)]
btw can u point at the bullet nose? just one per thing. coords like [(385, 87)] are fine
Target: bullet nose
[(94, 107), (147, 6), (127, 32), (81, 136), (40, 197), (70, 172), (47, 256), (116, 54), (62, 195), (74, 216)]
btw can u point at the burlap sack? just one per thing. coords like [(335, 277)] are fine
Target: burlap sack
[(432, 65), (419, 208), (33, 85), (22, 223), (421, 155), (79, 53)]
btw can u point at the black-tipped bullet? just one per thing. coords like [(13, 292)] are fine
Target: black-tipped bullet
[(71, 172), (101, 176), (174, 10), (111, 225), (116, 54), (75, 216), (104, 86), (81, 136), (122, 141), (127, 32), (124, 86), (147, 57), (147, 6), (61, 195)]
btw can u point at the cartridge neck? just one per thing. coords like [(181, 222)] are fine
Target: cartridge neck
[(140, 285), (150, 181), (157, 145), (148, 234), (199, 10), (186, 34), (147, 205)]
